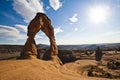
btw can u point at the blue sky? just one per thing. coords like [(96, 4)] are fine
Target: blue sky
[(74, 21)]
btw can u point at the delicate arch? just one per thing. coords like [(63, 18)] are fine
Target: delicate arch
[(40, 22)]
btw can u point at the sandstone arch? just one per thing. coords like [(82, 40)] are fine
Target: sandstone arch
[(40, 22)]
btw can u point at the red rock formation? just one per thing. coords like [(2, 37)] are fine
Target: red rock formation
[(41, 21)]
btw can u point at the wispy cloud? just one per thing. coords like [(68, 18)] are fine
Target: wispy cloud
[(55, 4), (21, 28), (47, 7), (10, 33), (58, 30), (8, 15), (18, 32), (28, 8), (38, 37), (74, 18)]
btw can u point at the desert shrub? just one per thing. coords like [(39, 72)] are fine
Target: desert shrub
[(66, 56), (113, 64), (88, 53), (95, 71)]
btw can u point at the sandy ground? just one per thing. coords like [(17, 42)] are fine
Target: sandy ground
[(44, 70)]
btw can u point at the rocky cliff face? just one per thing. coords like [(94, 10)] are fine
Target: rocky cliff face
[(10, 48)]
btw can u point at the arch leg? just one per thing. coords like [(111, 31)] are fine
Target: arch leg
[(29, 49), (49, 31)]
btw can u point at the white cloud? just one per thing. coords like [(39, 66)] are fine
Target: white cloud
[(55, 4), (48, 7), (74, 18), (22, 28), (15, 33), (76, 29), (10, 33), (38, 37), (58, 30), (8, 15), (28, 8)]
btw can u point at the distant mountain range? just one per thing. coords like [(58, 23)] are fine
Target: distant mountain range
[(15, 48), (90, 46), (84, 46)]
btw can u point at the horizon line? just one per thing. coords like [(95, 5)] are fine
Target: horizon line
[(67, 44)]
